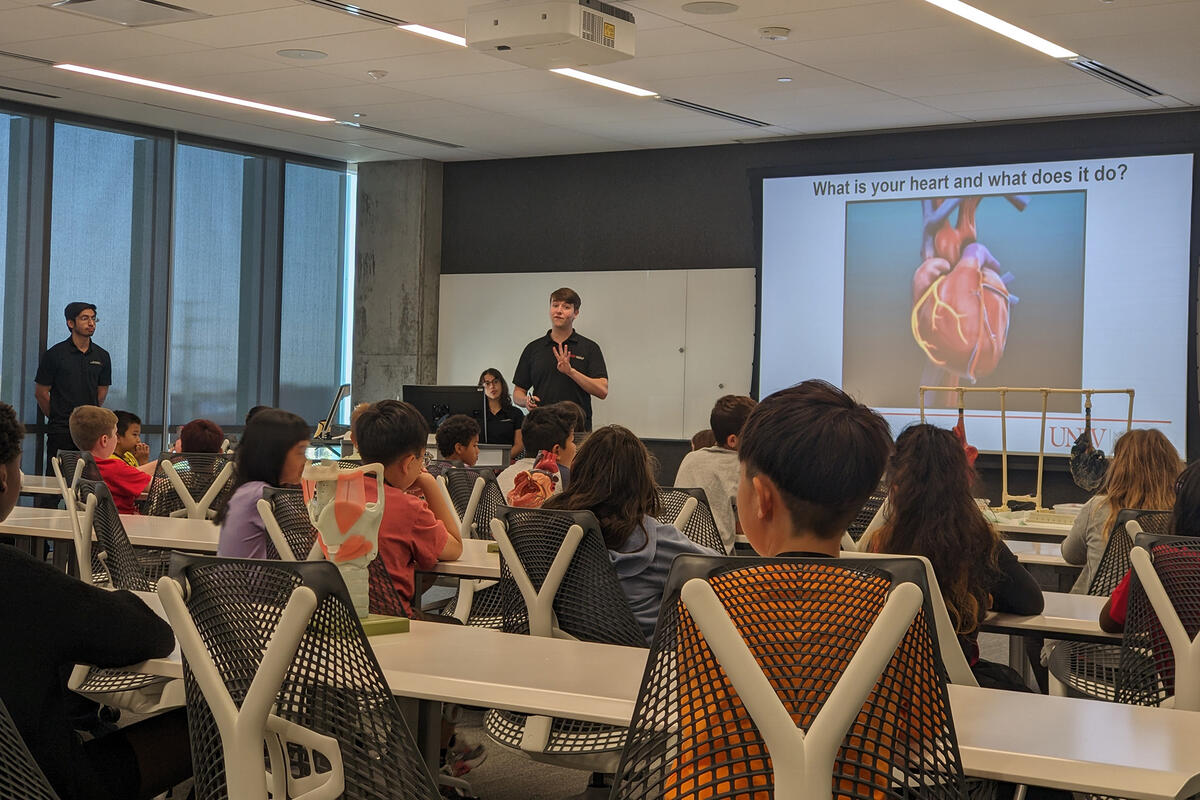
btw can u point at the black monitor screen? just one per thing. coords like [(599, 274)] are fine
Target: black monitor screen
[(438, 402)]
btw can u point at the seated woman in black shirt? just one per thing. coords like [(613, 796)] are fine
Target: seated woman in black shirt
[(51, 621), (503, 418), (934, 515)]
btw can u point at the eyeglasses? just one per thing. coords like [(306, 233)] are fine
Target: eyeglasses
[(490, 382), (87, 319)]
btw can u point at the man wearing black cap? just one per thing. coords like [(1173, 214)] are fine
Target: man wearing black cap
[(75, 372)]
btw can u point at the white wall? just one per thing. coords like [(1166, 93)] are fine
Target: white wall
[(674, 340)]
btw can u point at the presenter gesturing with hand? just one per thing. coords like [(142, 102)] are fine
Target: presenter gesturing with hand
[(563, 364)]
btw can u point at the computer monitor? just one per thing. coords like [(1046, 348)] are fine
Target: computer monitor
[(325, 426), (438, 402)]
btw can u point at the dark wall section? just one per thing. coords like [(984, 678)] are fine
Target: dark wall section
[(692, 208)]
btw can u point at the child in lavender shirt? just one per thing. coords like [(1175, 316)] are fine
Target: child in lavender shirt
[(271, 453)]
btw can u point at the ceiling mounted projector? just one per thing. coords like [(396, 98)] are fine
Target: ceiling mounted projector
[(551, 34)]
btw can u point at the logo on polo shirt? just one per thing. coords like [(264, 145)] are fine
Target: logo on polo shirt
[(575, 355), (95, 363)]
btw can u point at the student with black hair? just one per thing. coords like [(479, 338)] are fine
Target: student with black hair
[(715, 469), (458, 441), (271, 453), (51, 622), (545, 430)]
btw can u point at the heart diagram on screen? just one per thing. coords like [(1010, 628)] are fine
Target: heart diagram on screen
[(961, 302)]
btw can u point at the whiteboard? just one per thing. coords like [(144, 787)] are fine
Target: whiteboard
[(674, 340)]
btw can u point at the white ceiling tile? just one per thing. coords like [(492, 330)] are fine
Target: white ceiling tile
[(274, 80), (103, 47), (991, 80), (272, 25), (35, 22), (184, 67), (1059, 110), (457, 87), (359, 94), (647, 71), (1094, 91), (381, 42), (445, 62), (678, 39)]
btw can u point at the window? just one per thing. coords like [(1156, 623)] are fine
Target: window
[(101, 224), (311, 315), (222, 306)]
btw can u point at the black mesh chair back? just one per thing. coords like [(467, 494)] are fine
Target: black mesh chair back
[(1146, 675), (290, 512), (197, 472), (460, 482), (382, 597), (700, 527), (858, 525), (124, 567), (1115, 561), (334, 685), (802, 621), (20, 775), (67, 460), (589, 603)]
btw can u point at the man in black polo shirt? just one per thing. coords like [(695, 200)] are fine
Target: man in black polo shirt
[(75, 372), (563, 364)]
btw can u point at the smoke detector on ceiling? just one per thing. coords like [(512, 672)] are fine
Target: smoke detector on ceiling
[(773, 33)]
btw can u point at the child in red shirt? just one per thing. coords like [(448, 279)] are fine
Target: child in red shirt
[(95, 429), (415, 532)]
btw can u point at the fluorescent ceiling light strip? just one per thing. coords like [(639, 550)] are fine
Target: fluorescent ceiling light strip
[(1003, 28), (434, 33), (168, 87), (605, 82)]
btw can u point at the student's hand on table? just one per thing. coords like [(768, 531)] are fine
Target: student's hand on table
[(141, 451)]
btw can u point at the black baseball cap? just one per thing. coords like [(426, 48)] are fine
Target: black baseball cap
[(73, 310)]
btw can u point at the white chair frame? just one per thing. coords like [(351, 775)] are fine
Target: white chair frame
[(1185, 649), (243, 731), (191, 508)]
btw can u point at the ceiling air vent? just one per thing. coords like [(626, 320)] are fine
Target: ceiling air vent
[(398, 134), (4, 88), (350, 8), (130, 13), (1110, 75), (43, 61), (715, 112)]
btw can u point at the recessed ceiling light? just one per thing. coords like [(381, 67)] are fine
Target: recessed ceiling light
[(784, 79), (168, 87), (1003, 28), (605, 82), (434, 33), (774, 33), (710, 8), (304, 55)]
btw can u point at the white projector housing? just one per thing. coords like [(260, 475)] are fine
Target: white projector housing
[(549, 34)]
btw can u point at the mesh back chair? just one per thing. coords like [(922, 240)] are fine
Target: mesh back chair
[(556, 579), (1086, 669), (688, 510), (858, 525), (68, 467), (20, 775), (190, 485), (128, 568), (291, 535), (828, 665), (475, 496), (274, 653), (382, 597), (1160, 654)]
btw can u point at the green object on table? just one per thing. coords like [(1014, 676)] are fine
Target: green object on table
[(378, 624), (493, 547)]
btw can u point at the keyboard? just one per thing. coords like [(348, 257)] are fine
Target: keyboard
[(1049, 518)]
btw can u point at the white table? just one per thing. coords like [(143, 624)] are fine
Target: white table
[(39, 484), (1018, 528), (1046, 554), (475, 562), (1066, 616), (1060, 742), (169, 533)]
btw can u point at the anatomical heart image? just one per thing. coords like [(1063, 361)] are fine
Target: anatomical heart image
[(966, 290)]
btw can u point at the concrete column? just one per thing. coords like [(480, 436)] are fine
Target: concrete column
[(398, 258)]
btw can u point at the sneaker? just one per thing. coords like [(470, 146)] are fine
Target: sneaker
[(461, 758)]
